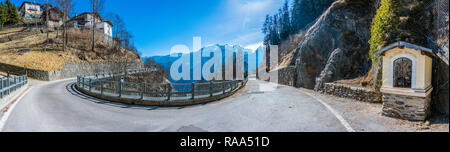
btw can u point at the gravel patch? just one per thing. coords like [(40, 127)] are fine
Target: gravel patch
[(366, 117)]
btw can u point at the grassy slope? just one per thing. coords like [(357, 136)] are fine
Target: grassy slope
[(54, 58)]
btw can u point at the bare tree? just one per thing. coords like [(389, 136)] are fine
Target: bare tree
[(46, 20), (119, 27), (96, 6), (35, 20), (47, 9), (66, 6)]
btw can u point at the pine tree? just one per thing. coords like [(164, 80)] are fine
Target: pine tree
[(302, 14), (266, 29), (275, 31), (13, 15), (384, 27), (306, 11), (285, 21), (3, 14)]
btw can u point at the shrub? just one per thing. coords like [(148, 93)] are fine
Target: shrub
[(384, 27)]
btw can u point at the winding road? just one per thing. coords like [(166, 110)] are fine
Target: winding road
[(59, 107)]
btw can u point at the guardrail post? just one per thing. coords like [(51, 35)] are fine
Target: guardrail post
[(1, 88), (18, 82), (90, 84), (8, 83), (193, 91), (102, 87), (223, 87), (82, 84), (142, 91), (120, 88), (233, 83), (210, 89), (14, 83), (169, 92)]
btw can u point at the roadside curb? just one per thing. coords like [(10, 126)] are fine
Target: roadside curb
[(329, 108), (11, 105), (333, 111)]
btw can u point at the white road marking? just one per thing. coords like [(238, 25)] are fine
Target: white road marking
[(11, 108), (335, 113)]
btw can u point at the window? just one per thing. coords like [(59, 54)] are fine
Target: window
[(403, 73)]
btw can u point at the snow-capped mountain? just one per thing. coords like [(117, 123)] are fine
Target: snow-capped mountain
[(167, 61)]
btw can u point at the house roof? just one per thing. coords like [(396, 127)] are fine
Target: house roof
[(404, 44), (109, 22), (26, 2), (91, 13)]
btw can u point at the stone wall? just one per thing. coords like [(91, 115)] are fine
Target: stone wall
[(343, 91), (70, 69), (286, 75), (406, 107), (33, 73)]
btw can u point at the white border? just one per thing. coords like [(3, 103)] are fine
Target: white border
[(413, 80), (11, 108), (333, 111)]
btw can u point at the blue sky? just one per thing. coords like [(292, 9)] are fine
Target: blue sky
[(160, 24)]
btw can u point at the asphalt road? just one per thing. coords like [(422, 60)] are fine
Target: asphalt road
[(58, 107)]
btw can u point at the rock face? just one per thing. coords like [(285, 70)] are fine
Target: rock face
[(441, 71), (345, 29), (335, 68)]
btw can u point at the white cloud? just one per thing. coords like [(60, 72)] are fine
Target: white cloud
[(255, 46), (246, 13), (250, 6)]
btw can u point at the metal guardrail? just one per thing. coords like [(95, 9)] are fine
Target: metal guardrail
[(10, 84), (96, 83)]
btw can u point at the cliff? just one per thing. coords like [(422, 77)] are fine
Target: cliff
[(336, 46)]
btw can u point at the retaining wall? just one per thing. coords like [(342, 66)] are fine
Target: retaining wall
[(286, 75), (343, 91), (69, 70)]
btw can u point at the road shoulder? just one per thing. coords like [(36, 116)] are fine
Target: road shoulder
[(7, 100), (366, 117)]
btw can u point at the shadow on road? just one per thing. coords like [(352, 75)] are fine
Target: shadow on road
[(72, 90)]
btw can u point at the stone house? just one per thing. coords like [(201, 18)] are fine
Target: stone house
[(36, 13), (30, 12), (87, 19), (55, 16), (407, 80)]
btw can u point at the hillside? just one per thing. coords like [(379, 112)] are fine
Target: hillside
[(22, 47)]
